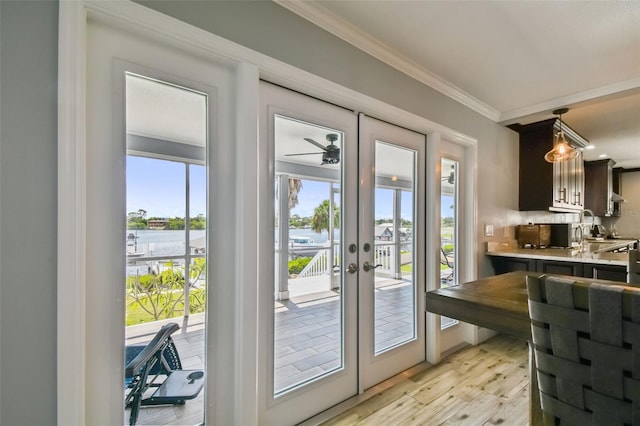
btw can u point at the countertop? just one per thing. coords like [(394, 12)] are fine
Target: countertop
[(561, 254)]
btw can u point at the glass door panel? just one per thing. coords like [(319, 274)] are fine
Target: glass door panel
[(394, 280), (308, 305), (166, 132), (448, 227)]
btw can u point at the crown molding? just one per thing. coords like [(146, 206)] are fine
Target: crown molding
[(342, 29), (571, 100)]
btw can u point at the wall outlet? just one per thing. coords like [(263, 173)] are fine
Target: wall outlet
[(488, 230)]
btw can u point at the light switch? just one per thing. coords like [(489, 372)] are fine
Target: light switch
[(488, 230)]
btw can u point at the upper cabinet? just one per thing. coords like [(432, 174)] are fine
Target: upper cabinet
[(599, 181), (549, 186)]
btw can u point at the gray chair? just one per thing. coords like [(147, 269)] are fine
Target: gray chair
[(586, 340), (633, 275)]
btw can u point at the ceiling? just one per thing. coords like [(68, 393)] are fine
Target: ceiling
[(510, 61)]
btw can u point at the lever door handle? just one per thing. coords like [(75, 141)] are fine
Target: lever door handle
[(366, 266)]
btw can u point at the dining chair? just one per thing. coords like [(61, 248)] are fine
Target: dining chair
[(586, 344), (633, 271)]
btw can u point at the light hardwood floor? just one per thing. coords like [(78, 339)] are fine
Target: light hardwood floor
[(479, 385), (482, 385)]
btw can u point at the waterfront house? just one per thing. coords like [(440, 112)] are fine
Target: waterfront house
[(157, 223)]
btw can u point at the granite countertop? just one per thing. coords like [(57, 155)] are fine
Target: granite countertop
[(563, 254)]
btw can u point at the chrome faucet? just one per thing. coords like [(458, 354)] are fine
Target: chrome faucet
[(582, 225), (581, 216)]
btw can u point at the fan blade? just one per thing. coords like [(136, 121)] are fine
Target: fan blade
[(304, 153), (319, 145)]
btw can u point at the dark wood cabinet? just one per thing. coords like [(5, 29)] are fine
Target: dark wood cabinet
[(574, 269), (543, 185), (599, 187), (502, 265), (606, 272)]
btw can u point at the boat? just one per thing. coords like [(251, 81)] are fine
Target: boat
[(299, 241), (300, 246), (132, 246)]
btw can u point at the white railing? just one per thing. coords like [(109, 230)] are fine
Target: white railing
[(318, 265), (384, 254), (321, 264)]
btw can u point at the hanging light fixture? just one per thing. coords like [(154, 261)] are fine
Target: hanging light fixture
[(561, 151)]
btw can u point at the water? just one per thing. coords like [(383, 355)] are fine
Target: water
[(320, 238), (160, 243), (164, 242), (171, 243)]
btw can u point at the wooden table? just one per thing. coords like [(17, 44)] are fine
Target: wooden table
[(499, 303)]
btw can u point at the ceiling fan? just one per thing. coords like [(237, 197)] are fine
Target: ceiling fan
[(449, 179), (330, 153)]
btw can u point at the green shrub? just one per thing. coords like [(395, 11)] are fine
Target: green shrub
[(448, 248), (153, 297), (297, 265)]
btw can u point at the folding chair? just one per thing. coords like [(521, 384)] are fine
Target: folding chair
[(147, 364)]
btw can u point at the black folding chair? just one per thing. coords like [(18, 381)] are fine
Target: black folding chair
[(157, 365)]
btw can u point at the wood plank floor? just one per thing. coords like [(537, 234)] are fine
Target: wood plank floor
[(482, 385)]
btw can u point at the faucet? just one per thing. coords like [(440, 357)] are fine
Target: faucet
[(581, 216), (582, 227)]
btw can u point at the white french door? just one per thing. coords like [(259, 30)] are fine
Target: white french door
[(391, 247), (307, 333), (341, 299)]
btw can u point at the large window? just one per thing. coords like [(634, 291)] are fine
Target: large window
[(448, 227), (166, 250)]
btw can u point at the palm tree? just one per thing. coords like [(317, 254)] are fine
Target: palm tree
[(295, 185), (320, 218)]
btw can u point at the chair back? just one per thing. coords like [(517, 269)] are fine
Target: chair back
[(586, 343), (633, 270)]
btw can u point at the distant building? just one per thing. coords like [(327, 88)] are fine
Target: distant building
[(157, 223), (384, 232)]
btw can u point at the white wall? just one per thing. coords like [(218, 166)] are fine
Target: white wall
[(28, 219)]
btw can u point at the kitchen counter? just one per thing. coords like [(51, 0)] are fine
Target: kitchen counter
[(561, 254)]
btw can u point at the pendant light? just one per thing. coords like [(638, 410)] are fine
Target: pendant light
[(561, 151)]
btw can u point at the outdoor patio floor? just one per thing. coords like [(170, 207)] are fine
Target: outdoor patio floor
[(307, 340)]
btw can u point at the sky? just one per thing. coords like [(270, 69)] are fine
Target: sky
[(314, 192), (158, 186)]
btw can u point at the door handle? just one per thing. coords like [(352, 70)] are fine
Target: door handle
[(352, 268), (367, 266)]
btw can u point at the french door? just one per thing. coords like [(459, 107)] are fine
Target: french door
[(391, 223), (342, 289)]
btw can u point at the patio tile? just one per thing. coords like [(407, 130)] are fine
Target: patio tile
[(308, 339)]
